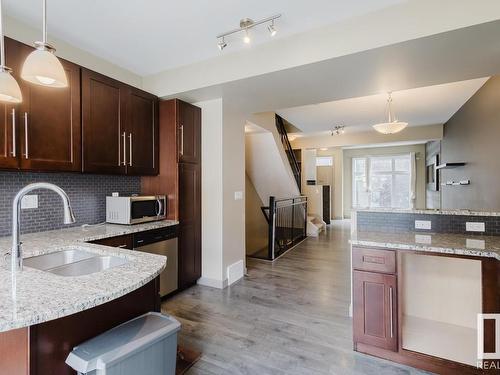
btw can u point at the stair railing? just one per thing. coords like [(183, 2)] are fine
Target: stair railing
[(280, 126)]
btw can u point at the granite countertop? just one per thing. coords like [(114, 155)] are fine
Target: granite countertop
[(428, 212), (458, 244), (42, 296)]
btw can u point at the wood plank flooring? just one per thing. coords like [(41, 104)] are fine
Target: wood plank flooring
[(290, 317)]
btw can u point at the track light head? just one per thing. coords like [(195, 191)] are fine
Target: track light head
[(247, 39), (272, 29), (222, 44)]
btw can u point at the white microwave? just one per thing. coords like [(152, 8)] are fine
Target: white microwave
[(136, 209)]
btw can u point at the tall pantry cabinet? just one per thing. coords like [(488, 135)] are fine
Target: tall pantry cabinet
[(180, 179)]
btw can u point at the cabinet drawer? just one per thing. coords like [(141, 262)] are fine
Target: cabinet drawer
[(124, 242), (374, 260)]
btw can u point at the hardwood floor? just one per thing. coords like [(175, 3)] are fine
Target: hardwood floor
[(290, 317)]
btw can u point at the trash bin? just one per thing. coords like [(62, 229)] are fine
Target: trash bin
[(146, 345)]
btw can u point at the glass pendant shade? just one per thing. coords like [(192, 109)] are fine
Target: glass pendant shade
[(43, 68), (392, 125), (10, 92)]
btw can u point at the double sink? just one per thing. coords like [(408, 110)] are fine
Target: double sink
[(73, 262)]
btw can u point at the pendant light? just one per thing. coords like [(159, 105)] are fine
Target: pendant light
[(42, 67), (10, 91), (392, 125)]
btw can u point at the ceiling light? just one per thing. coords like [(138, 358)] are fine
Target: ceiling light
[(272, 29), (392, 125), (337, 130), (42, 67), (323, 149), (222, 44), (245, 25), (10, 91)]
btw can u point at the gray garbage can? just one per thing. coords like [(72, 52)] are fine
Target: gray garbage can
[(146, 345)]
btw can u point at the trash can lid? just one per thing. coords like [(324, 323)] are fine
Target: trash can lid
[(121, 341)]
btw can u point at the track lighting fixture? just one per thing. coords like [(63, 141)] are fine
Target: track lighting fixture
[(245, 25), (42, 67), (337, 130)]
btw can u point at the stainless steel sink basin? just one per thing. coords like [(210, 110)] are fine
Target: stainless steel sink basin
[(73, 262)]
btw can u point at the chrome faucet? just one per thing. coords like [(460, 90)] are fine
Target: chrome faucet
[(17, 252)]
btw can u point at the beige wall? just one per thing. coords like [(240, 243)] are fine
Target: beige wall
[(350, 153), (256, 228)]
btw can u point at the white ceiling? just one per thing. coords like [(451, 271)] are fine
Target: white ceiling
[(419, 106), (150, 36)]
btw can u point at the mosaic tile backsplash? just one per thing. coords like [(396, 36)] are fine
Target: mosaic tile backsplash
[(86, 192), (405, 222)]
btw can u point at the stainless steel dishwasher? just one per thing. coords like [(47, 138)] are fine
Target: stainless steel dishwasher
[(161, 241)]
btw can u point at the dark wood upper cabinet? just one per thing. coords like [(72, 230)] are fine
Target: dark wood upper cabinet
[(142, 133), (50, 123), (104, 132), (189, 132), (119, 127), (374, 309)]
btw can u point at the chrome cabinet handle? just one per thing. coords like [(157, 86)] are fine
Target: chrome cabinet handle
[(14, 151), (122, 246), (124, 148), (130, 148), (26, 143), (181, 128), (391, 322)]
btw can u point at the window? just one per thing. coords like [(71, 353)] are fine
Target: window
[(324, 161), (381, 182)]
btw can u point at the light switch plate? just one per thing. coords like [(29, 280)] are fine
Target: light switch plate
[(238, 195), (474, 226), (29, 201), (423, 224)]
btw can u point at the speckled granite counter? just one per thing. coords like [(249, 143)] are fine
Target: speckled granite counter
[(458, 244), (428, 211), (42, 296)]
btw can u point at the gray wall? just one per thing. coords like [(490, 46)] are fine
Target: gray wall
[(86, 192), (472, 135)]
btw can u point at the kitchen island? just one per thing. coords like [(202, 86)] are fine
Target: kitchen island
[(48, 314), (416, 296)]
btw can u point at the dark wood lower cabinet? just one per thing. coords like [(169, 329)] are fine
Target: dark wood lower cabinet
[(42, 349), (190, 224), (123, 242), (375, 312)]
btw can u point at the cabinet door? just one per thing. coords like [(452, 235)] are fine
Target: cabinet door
[(190, 224), (103, 114), (189, 132), (9, 114), (50, 123), (142, 134), (374, 309)]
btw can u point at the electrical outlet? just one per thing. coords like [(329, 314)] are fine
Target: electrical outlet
[(238, 195), (475, 244), (423, 238), (474, 226), (423, 224), (29, 201)]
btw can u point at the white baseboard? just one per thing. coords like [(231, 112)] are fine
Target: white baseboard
[(212, 283)]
